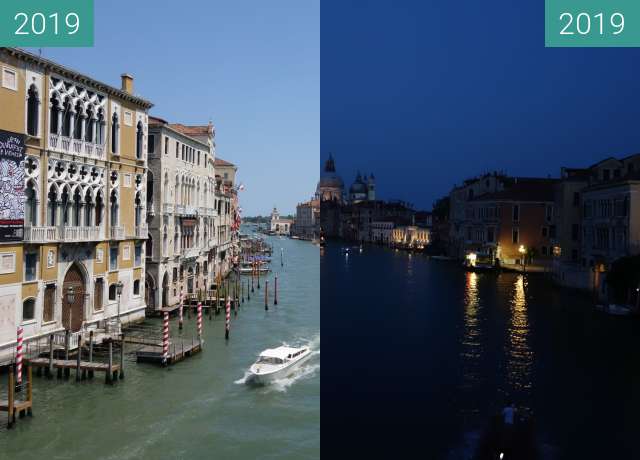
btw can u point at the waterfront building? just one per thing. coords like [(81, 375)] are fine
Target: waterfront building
[(459, 209), (381, 232), (410, 236), (610, 217), (280, 225), (509, 218), (73, 154), (182, 212), (307, 221), (227, 219)]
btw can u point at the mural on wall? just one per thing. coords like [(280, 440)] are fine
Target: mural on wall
[(12, 196)]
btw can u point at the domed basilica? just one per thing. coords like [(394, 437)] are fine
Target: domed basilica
[(331, 188)]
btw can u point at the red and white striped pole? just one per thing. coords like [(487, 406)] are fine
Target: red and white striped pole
[(180, 313), (200, 321), (165, 339), (227, 323), (19, 358)]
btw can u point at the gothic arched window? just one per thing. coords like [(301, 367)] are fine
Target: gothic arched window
[(115, 133), (139, 138), (33, 106)]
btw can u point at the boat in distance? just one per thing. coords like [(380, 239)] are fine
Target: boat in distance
[(276, 363)]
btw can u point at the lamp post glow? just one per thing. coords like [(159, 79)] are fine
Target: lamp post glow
[(522, 250), (119, 286)]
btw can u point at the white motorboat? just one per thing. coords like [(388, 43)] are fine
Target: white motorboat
[(276, 363)]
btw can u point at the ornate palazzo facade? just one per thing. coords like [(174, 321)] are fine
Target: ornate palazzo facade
[(85, 175)]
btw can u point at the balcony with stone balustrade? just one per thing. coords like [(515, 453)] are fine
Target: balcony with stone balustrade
[(65, 144)]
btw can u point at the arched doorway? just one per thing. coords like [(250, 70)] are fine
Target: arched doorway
[(73, 313), (165, 290), (150, 293)]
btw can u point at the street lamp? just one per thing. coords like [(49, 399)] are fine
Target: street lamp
[(119, 292), (71, 297), (522, 250)]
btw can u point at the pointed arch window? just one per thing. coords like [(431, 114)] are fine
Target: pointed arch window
[(30, 206), (139, 139), (78, 122), (33, 111), (115, 133), (90, 124), (100, 126), (52, 207), (67, 118), (114, 209), (54, 121)]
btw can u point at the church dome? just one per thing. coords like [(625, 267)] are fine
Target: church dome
[(358, 186)]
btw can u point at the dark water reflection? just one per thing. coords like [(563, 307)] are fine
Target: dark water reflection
[(442, 349)]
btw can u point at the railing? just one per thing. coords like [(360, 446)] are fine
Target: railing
[(75, 146), (142, 232), (180, 209), (59, 339), (190, 210), (81, 233), (191, 253), (117, 233), (167, 208), (40, 234)]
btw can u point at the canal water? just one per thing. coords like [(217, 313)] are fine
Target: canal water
[(200, 408), (439, 350)]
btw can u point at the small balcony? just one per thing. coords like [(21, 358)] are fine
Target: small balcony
[(142, 232), (117, 233), (180, 209), (40, 234), (191, 253), (65, 144), (76, 234), (167, 208)]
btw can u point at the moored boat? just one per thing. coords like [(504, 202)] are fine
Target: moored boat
[(276, 363)]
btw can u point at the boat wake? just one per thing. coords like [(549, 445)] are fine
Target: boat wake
[(305, 371)]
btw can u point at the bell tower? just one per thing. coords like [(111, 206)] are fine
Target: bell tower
[(371, 188)]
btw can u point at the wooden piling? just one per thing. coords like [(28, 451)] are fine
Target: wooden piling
[(67, 371), (78, 359), (275, 290), (121, 356), (90, 353), (50, 367), (108, 374), (29, 391), (266, 298), (10, 400)]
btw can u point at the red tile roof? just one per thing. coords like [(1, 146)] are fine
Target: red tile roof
[(221, 162), (192, 130), (523, 189)]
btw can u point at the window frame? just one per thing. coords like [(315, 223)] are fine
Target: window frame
[(33, 318), (15, 75)]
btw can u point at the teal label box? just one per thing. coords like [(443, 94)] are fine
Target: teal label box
[(40, 23), (592, 23)]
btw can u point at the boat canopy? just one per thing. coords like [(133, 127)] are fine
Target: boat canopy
[(280, 352)]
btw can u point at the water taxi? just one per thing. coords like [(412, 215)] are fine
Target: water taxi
[(276, 363)]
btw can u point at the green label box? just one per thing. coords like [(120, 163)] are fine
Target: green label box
[(36, 23)]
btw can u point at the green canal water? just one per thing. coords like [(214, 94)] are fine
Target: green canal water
[(201, 407)]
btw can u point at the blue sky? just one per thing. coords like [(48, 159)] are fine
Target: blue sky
[(252, 67), (425, 94)]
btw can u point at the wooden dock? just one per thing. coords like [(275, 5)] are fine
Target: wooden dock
[(179, 349), (13, 405)]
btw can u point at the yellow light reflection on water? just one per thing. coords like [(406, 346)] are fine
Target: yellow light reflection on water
[(471, 340), (518, 351)]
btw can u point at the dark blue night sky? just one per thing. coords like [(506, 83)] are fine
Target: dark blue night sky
[(425, 94)]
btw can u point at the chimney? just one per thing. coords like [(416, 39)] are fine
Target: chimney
[(127, 83)]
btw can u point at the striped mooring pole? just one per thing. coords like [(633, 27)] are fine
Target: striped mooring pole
[(227, 321), (165, 339), (19, 358), (200, 321), (275, 291), (180, 309)]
